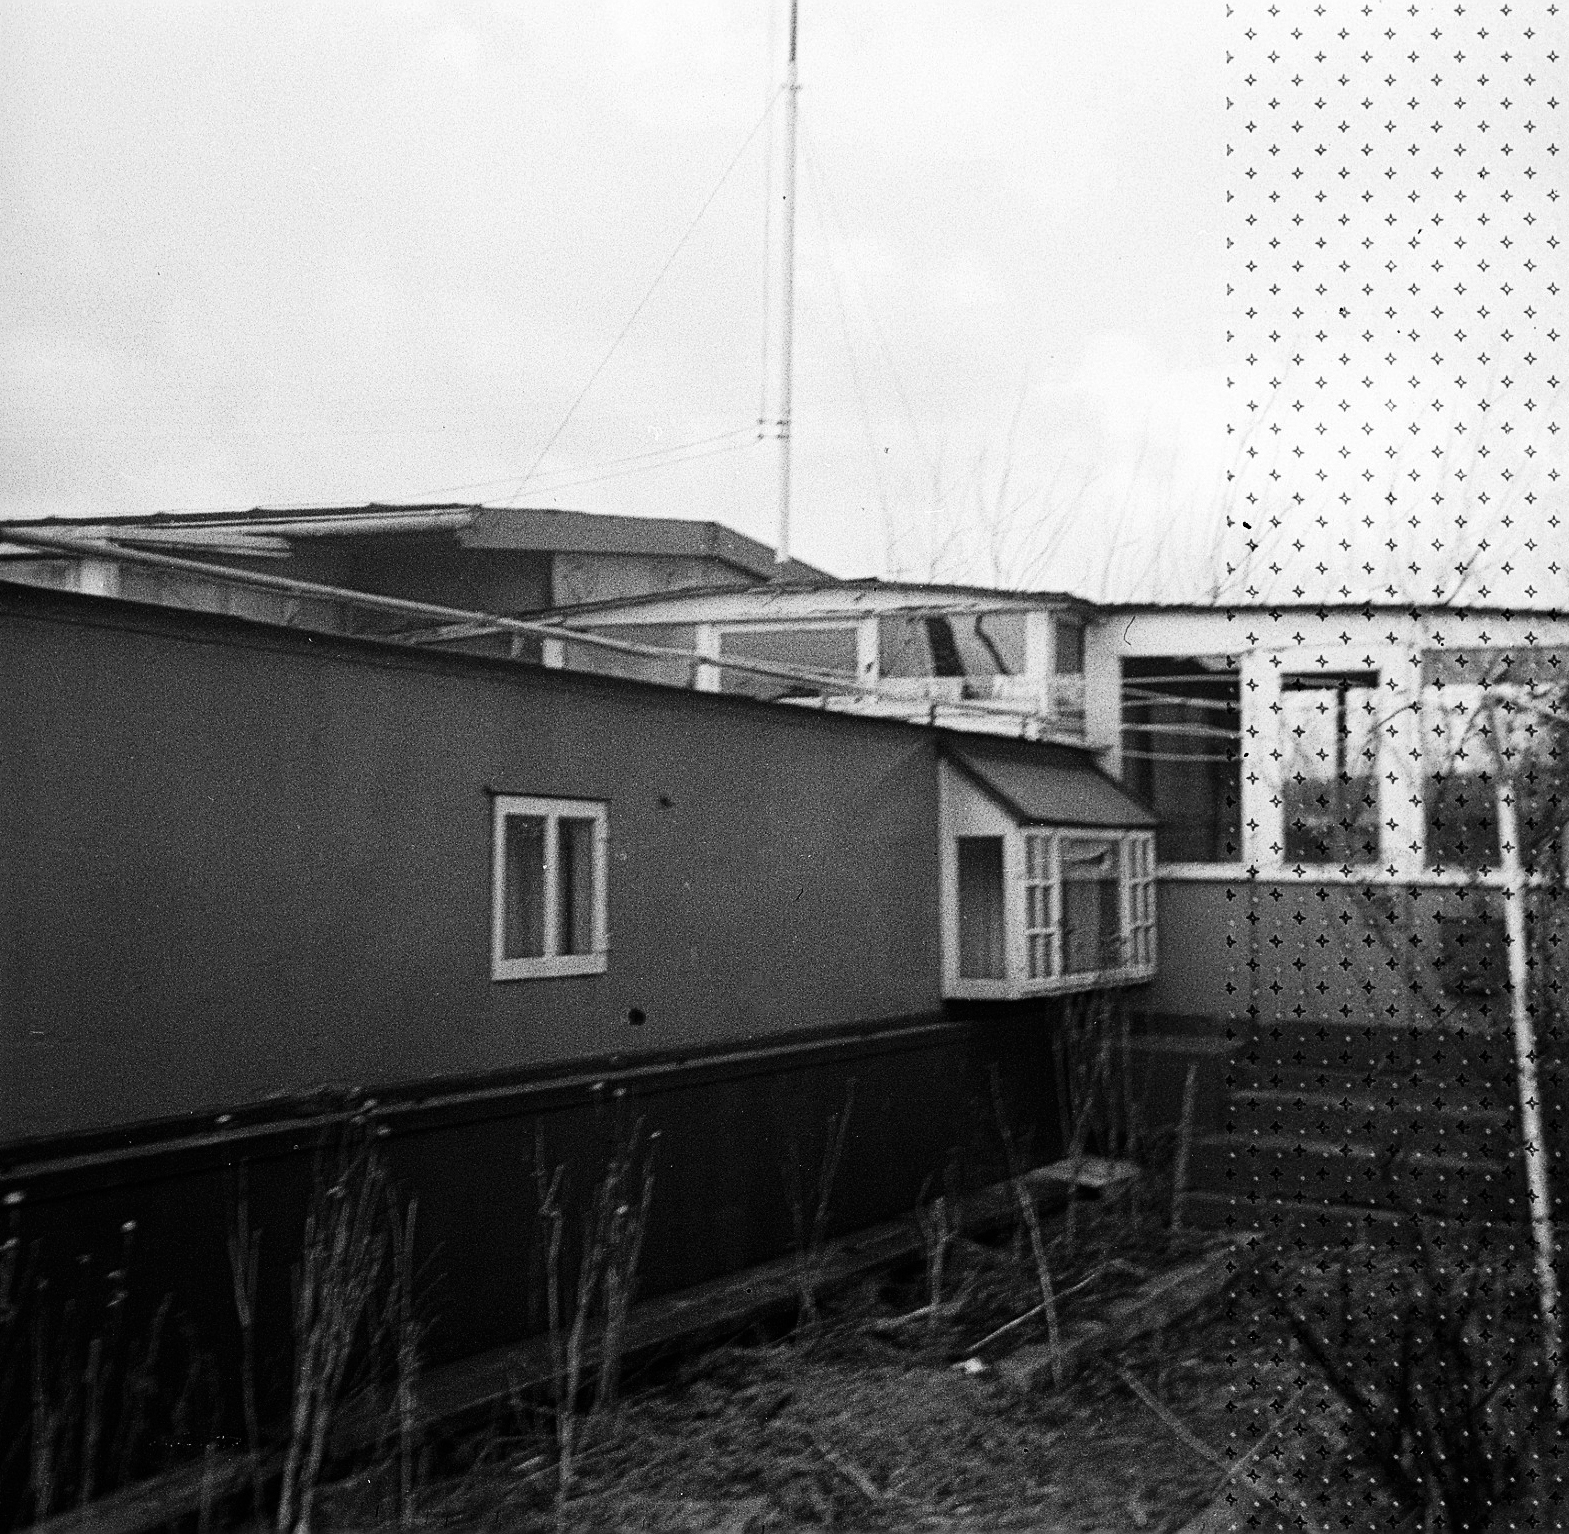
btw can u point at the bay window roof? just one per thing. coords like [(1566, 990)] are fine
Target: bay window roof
[(1047, 786)]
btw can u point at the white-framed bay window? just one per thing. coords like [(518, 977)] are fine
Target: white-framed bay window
[(1035, 908), (548, 889)]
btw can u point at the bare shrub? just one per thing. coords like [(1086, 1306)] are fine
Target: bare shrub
[(1446, 1423), (1024, 1197), (341, 1268), (606, 1278)]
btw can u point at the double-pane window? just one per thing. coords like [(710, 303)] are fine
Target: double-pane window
[(549, 888)]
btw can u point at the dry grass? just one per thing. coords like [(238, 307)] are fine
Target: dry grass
[(873, 1428)]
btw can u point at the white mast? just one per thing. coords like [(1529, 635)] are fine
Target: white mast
[(787, 301)]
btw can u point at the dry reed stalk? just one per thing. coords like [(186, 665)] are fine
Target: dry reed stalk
[(549, 1213), (1076, 1150), (137, 1390), (810, 1236), (341, 1259), (607, 1270), (1032, 1224), (937, 1233), (1112, 1265), (92, 1421), (1132, 1114), (407, 1333), (1242, 1469), (1179, 1176), (244, 1246), (44, 1425), (568, 1418), (887, 1326), (625, 1251), (204, 1506)]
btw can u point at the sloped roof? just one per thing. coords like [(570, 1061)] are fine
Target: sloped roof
[(264, 530), (1042, 785)]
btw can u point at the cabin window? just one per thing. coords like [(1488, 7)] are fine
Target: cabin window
[(548, 889), (1478, 705), (1069, 647), (1091, 877), (1329, 743), (969, 650), (982, 953), (1182, 753), (823, 651), (1089, 904)]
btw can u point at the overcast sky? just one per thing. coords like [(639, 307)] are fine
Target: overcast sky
[(333, 253)]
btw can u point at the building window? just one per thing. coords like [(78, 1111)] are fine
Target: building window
[(1139, 881), (1090, 873), (1329, 743), (972, 651), (1480, 707), (1069, 647), (548, 888), (1089, 907), (821, 650), (1182, 753), (982, 953), (1042, 907)]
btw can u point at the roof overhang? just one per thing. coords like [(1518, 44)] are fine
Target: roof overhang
[(1047, 785), (816, 602), (524, 529)]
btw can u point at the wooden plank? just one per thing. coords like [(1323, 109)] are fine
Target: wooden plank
[(1162, 1300), (160, 1499)]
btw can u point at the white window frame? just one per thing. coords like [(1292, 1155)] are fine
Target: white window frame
[(1138, 893), (550, 965), (1136, 882), (1040, 850), (1295, 670), (1025, 847)]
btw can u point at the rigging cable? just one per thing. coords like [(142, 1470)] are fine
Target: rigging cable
[(586, 468), (644, 468), (877, 330), (813, 182), (642, 303)]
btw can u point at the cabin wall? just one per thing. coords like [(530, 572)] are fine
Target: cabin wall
[(244, 889), (242, 863), (729, 1130)]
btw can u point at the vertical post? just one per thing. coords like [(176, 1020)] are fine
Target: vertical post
[(868, 651), (1535, 1144), (1261, 749), (1179, 1178), (1102, 684), (706, 644), (787, 299)]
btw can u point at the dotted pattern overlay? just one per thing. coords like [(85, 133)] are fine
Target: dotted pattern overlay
[(1395, 275), (1398, 350)]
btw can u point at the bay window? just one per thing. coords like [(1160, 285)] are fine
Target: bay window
[(1032, 907)]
